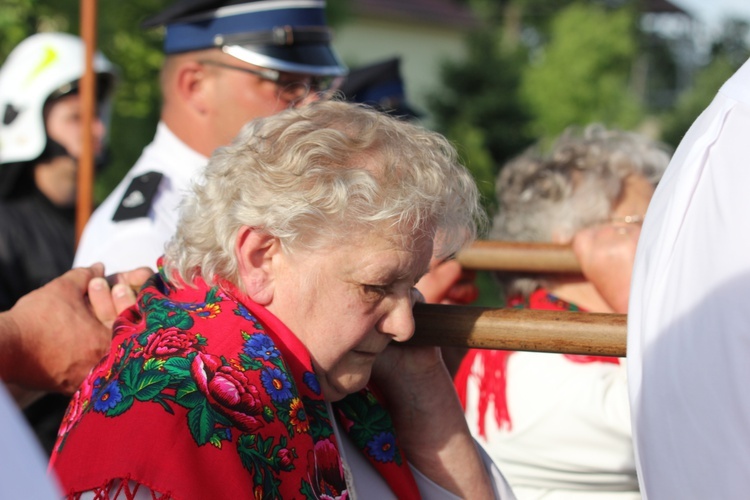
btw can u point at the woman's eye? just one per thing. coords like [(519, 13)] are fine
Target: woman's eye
[(378, 291)]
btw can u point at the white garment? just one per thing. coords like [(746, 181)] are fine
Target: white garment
[(368, 484), (128, 244), (23, 468), (689, 319), (570, 434)]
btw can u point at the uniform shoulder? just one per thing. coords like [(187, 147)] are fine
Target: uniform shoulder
[(138, 197)]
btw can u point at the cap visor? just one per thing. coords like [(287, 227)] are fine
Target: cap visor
[(312, 59)]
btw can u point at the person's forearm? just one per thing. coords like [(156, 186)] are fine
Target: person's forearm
[(9, 348), (436, 440)]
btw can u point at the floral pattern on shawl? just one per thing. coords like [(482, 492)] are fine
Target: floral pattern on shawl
[(250, 399)]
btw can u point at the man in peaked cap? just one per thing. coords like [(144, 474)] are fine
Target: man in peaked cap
[(227, 62), (379, 85)]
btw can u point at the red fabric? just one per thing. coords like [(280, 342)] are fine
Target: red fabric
[(206, 394), (494, 363)]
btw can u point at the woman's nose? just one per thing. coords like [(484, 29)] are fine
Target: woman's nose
[(398, 321)]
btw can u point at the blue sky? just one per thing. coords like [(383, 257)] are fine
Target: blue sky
[(712, 11)]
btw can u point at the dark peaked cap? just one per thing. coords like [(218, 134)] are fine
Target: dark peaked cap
[(379, 85), (285, 35)]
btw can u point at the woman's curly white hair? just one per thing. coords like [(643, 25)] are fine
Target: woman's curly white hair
[(313, 177), (549, 196)]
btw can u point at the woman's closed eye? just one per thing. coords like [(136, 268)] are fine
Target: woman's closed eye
[(376, 292)]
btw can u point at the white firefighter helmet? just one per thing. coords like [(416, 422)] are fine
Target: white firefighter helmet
[(43, 65)]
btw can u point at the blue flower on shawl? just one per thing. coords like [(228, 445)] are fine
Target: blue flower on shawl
[(311, 381), (260, 345), (244, 313), (277, 384), (105, 398), (382, 447)]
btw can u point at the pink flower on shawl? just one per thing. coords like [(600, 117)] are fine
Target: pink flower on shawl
[(228, 390), (325, 471), (73, 413), (130, 322), (170, 342), (82, 397)]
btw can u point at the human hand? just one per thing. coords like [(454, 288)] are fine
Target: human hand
[(53, 336), (107, 302), (606, 253), (428, 418), (448, 283)]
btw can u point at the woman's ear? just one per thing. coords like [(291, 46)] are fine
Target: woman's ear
[(255, 250)]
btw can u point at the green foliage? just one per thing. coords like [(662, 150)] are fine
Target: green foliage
[(470, 142), (693, 101), (728, 52), (479, 109), (136, 53), (21, 18), (583, 74)]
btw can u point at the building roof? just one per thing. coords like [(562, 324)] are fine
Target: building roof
[(443, 12), (662, 7), (458, 14)]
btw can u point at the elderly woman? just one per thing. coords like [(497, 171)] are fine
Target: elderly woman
[(260, 361), (559, 425)]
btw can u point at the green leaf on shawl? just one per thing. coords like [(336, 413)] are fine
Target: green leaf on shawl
[(161, 400), (368, 418), (218, 436), (201, 422), (179, 368), (215, 441), (249, 363), (188, 394), (307, 490), (153, 364), (150, 384), (268, 414), (255, 457), (282, 411), (168, 317), (317, 416), (212, 295), (121, 407), (129, 376)]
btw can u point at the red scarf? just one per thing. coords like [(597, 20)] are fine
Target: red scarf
[(493, 381), (206, 394)]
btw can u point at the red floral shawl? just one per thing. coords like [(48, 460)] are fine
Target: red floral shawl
[(206, 394), (493, 383)]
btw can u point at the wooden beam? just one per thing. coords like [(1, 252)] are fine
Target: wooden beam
[(85, 189), (594, 334), (528, 257)]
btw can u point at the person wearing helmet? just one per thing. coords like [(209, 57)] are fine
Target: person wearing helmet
[(227, 62), (40, 142)]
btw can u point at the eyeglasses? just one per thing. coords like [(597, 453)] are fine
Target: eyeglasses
[(626, 219), (291, 87)]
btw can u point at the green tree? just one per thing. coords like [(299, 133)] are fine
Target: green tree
[(479, 108), (728, 52), (136, 53), (582, 75)]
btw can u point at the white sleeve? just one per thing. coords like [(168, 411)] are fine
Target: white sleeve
[(432, 491), (22, 463), (121, 247), (689, 320)]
